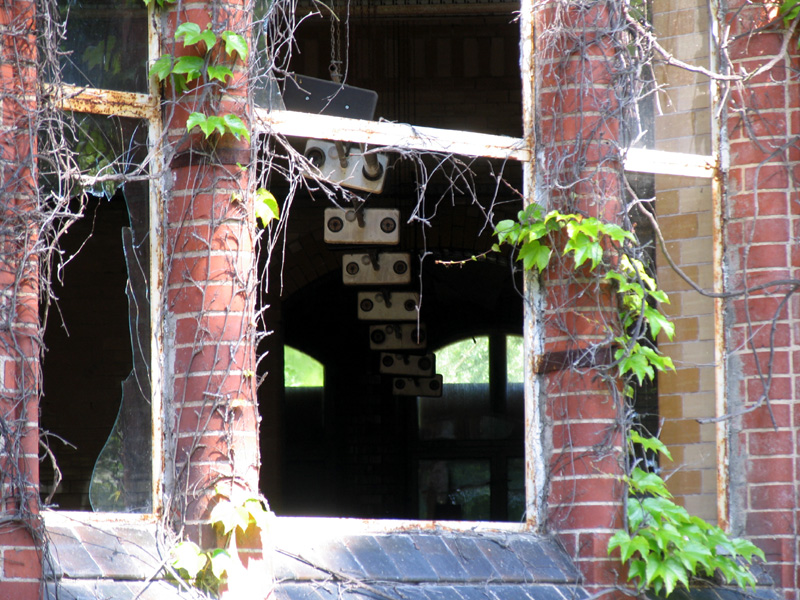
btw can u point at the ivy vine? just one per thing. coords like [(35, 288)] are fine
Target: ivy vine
[(587, 240), (185, 69), (207, 570), (662, 544)]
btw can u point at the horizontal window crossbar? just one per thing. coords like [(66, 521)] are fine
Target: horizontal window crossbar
[(106, 102), (659, 162), (396, 135)]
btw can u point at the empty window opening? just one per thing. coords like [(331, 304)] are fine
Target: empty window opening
[(360, 452), (470, 441)]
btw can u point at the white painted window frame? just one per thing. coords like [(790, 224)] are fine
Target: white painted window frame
[(146, 107)]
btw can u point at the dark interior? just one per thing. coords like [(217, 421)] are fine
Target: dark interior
[(354, 449)]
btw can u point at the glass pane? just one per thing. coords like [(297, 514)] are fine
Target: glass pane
[(516, 489), (465, 412), (106, 44), (454, 490), (121, 481), (98, 336), (304, 408), (105, 150), (514, 356), (515, 399), (462, 410)]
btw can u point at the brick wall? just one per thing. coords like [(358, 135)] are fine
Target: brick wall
[(583, 412), (761, 237), (210, 287), (20, 567)]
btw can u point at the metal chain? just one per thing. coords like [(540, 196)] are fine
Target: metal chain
[(336, 45)]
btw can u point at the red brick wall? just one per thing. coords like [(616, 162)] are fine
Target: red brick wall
[(20, 567), (210, 289), (761, 237), (584, 412)]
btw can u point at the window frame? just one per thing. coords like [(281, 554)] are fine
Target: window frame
[(145, 106)]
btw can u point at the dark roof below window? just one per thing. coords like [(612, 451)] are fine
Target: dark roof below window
[(419, 564), (322, 559), (334, 559)]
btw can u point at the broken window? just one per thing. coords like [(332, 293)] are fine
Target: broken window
[(96, 404)]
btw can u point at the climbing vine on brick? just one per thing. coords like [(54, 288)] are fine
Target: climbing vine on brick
[(588, 240), (185, 69), (662, 544)]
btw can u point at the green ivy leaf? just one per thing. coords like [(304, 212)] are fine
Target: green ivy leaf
[(666, 510), (637, 569), (266, 210), (658, 322), (220, 562), (214, 123), (672, 571), (196, 119), (533, 254), (507, 231), (620, 540), (189, 558), (219, 72), (184, 29), (191, 66), (692, 553), (650, 443), (162, 67), (227, 516), (583, 249), (254, 505), (235, 43), (634, 362), (789, 9), (617, 233), (236, 126), (192, 34), (648, 483), (747, 549)]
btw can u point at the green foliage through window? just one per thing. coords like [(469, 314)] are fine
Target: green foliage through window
[(466, 361), (301, 370)]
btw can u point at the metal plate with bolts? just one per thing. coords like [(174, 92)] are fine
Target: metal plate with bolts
[(418, 386), (356, 174), (407, 364), (384, 268), (379, 226), (325, 97), (387, 306), (397, 336)]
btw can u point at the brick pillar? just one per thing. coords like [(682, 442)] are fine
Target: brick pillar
[(211, 284), (576, 104), (761, 236), (20, 563)]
